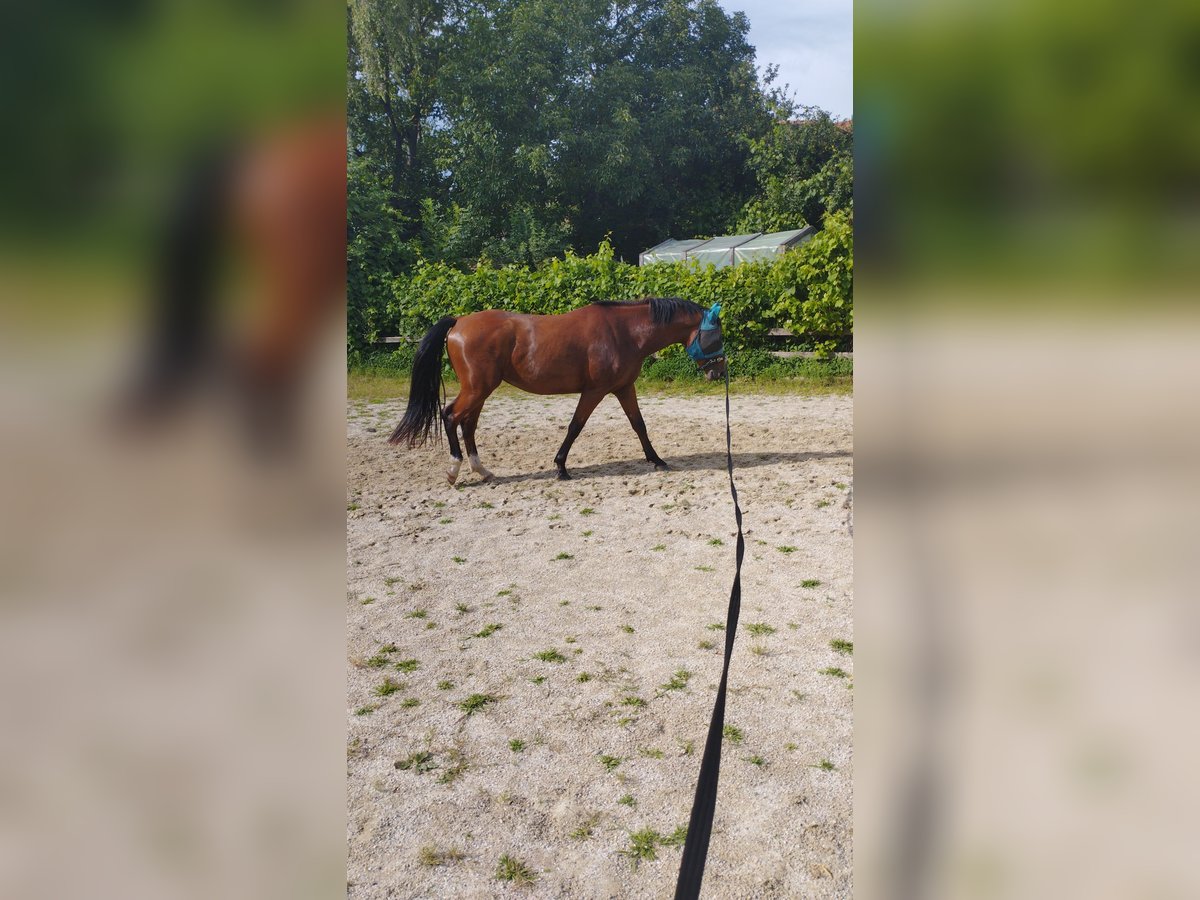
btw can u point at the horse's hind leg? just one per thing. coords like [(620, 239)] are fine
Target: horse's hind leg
[(451, 419), (468, 428)]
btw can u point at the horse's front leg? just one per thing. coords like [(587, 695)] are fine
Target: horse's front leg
[(588, 401), (628, 397)]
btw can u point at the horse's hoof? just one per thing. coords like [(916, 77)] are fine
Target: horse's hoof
[(661, 466), (488, 476), (563, 476), (451, 477)]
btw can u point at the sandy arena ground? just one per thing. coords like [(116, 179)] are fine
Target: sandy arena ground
[(623, 573)]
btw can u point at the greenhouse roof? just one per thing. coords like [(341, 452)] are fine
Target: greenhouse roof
[(727, 250)]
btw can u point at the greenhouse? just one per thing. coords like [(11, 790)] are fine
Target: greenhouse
[(727, 250)]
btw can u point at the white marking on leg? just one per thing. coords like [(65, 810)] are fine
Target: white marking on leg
[(452, 472), (478, 468)]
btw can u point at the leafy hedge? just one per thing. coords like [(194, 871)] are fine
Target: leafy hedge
[(808, 291), (747, 365)]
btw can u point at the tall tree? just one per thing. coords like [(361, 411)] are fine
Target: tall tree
[(805, 169)]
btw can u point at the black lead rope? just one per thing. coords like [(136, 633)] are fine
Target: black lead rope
[(695, 849)]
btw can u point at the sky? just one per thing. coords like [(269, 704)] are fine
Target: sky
[(812, 41)]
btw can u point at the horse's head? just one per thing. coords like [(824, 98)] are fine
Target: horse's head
[(705, 345)]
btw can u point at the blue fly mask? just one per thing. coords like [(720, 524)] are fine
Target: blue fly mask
[(708, 345)]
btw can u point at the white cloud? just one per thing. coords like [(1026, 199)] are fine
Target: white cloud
[(812, 42)]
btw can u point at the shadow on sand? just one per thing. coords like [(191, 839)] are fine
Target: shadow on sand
[(686, 463)]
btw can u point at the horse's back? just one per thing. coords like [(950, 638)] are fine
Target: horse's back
[(542, 354)]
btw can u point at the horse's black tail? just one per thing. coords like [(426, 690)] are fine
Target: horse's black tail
[(423, 408)]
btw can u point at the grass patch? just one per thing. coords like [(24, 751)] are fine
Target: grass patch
[(563, 555), (644, 843), (787, 548), (550, 655), (758, 629), (504, 593), (445, 685), (821, 504), (650, 752), (366, 710), (419, 613), (488, 630), (758, 650), (587, 511), (715, 626), (486, 505), (516, 745), (733, 734), (678, 681), (627, 800), (419, 762), (586, 829), (634, 701), (367, 602), (583, 677), (705, 569), (387, 687), (430, 855), (378, 661), (458, 559), (835, 671), (610, 762), (628, 629), (659, 547), (410, 702), (538, 679), (706, 645), (445, 521), (457, 767), (757, 760), (841, 646), (716, 542), (588, 533), (476, 702), (810, 583), (826, 765), (407, 665), (512, 869)]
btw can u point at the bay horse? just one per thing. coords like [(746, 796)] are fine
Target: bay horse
[(593, 351)]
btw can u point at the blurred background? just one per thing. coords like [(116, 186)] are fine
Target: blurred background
[(1028, 178), (172, 229)]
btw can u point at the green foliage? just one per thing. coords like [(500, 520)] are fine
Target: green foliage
[(805, 171), (808, 290)]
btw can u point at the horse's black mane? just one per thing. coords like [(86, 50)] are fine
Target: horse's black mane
[(662, 309)]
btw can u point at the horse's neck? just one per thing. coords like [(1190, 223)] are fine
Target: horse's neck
[(662, 336)]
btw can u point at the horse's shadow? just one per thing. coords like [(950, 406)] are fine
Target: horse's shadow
[(686, 463)]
